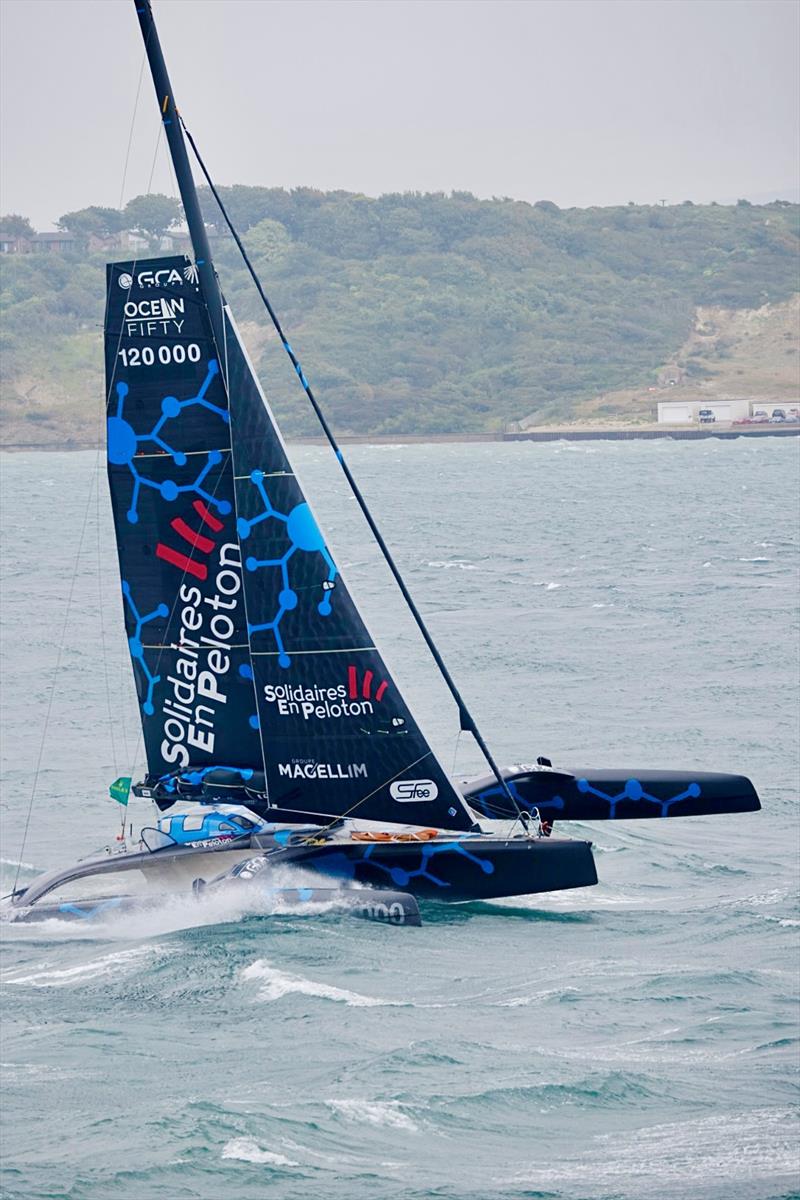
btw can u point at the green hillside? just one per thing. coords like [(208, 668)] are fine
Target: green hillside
[(420, 313)]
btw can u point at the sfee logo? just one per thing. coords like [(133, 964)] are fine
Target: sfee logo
[(412, 791)]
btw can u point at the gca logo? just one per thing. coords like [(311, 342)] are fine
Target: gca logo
[(411, 791), (163, 278)]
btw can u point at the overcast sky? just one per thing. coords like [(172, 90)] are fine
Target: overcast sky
[(577, 101)]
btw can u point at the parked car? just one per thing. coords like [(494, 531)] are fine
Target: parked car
[(759, 417), (706, 416), (793, 414), (778, 415), (743, 421)]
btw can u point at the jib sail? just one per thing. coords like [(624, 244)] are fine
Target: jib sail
[(248, 649), (338, 736)]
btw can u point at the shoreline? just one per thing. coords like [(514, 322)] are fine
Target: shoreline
[(547, 433)]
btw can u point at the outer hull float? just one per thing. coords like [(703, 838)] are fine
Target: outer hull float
[(583, 794)]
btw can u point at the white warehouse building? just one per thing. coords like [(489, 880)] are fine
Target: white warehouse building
[(685, 412)]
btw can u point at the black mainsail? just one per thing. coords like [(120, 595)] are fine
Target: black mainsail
[(248, 650), (172, 490)]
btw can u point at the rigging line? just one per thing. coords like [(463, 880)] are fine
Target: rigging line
[(466, 719), (131, 132), (95, 481), (53, 679), (133, 126), (99, 447), (110, 388), (134, 264), (455, 752), (101, 606), (172, 179)]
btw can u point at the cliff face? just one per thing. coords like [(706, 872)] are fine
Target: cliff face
[(747, 353)]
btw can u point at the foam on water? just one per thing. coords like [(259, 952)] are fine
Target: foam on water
[(80, 974), (246, 1150), (732, 1153), (274, 984), (636, 1040), (386, 1114)]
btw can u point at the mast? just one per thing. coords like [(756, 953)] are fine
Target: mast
[(214, 301), (183, 172)]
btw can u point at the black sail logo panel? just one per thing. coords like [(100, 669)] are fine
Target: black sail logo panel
[(248, 650), (172, 492), (338, 736)]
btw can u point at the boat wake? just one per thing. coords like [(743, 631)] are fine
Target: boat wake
[(171, 913)]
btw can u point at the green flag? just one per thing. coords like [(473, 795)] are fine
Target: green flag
[(120, 789)]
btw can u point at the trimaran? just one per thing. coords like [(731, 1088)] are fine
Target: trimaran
[(266, 706)]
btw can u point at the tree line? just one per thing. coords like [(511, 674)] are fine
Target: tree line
[(430, 313)]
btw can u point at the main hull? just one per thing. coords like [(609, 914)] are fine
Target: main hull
[(444, 867), (476, 867)]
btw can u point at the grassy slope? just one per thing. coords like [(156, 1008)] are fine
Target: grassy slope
[(749, 354), (433, 314)]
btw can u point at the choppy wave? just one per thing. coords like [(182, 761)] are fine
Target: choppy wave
[(460, 564), (634, 1041), (386, 1113), (108, 965), (246, 1150), (724, 1156), (274, 984)]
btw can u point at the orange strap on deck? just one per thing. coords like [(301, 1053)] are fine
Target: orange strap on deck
[(421, 835)]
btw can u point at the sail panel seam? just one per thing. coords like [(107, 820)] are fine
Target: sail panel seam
[(333, 650), (187, 453)]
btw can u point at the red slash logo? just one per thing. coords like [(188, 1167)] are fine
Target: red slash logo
[(198, 541), (365, 692)]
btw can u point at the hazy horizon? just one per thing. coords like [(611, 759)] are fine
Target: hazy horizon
[(582, 103)]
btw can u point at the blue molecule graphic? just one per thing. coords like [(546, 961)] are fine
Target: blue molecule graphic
[(302, 534), (124, 443), (340, 865), (633, 790), (136, 645)]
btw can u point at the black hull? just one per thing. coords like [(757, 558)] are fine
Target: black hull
[(581, 794), (392, 908), (466, 868)]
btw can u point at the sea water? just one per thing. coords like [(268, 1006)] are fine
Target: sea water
[(606, 604)]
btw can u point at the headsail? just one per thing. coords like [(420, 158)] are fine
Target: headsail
[(338, 736), (248, 649)]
